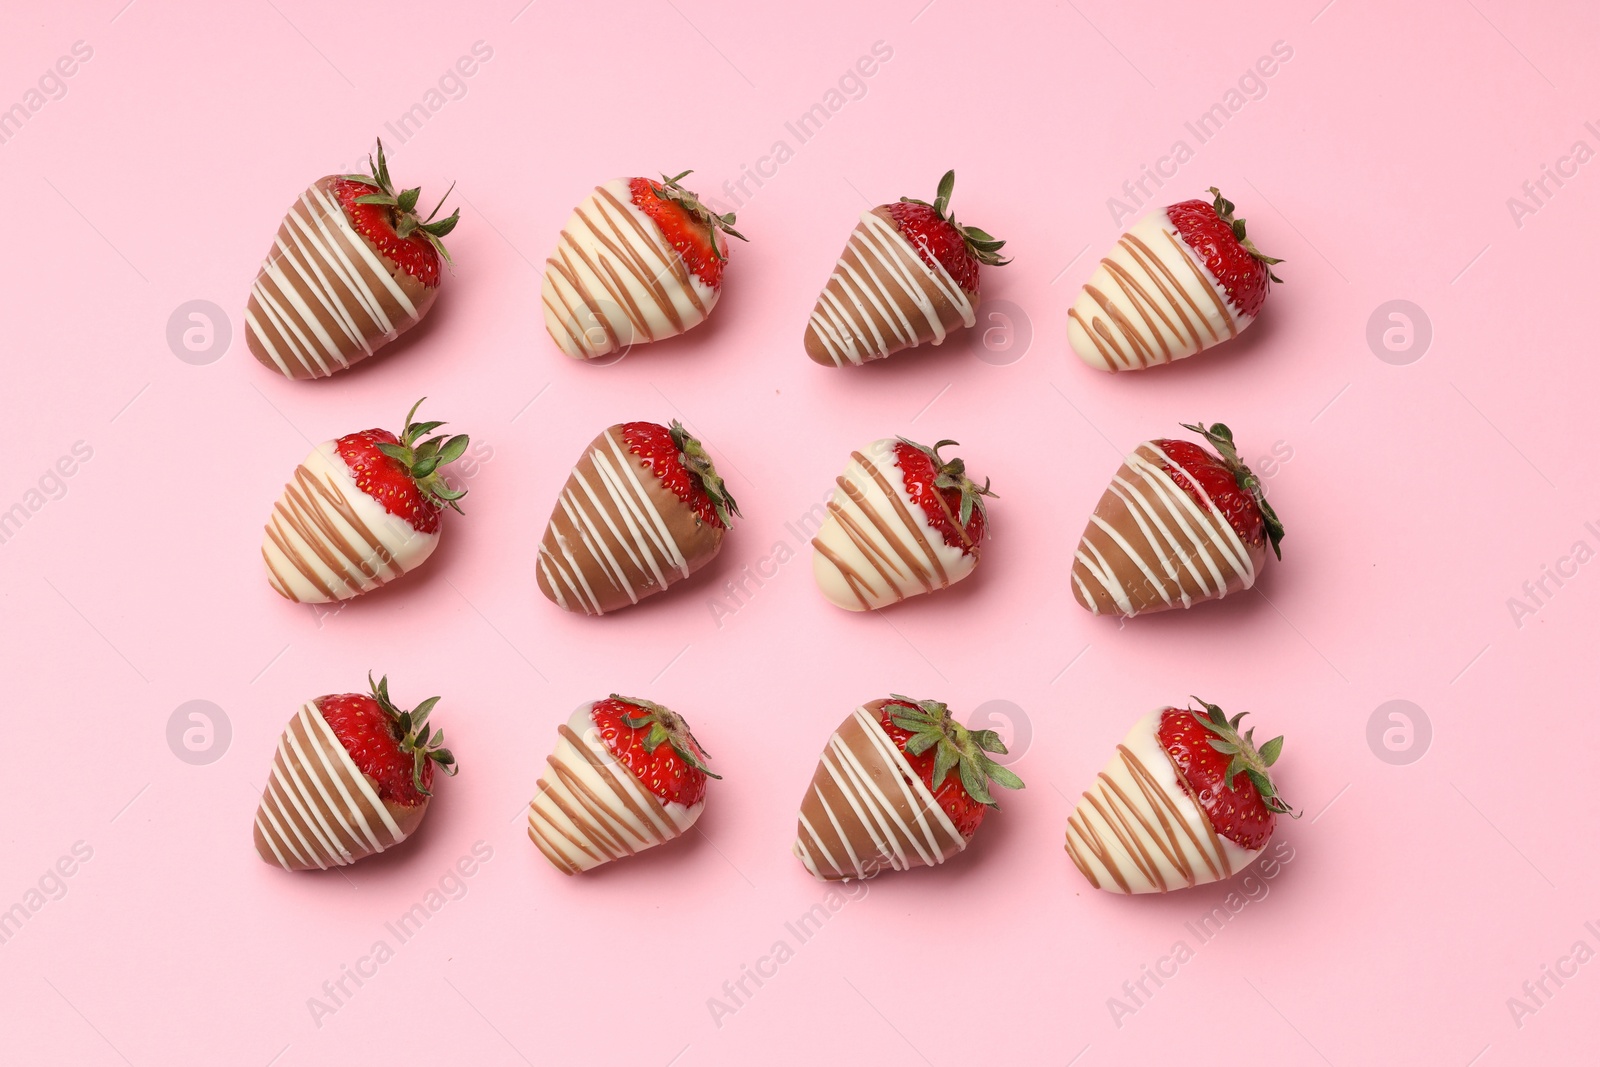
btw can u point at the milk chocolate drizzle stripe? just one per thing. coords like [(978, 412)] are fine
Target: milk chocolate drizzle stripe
[(622, 508), (318, 808), (1123, 346), (901, 537), (886, 831), (625, 239), (315, 247), (622, 821), (1152, 821), (880, 268), (1175, 529), (305, 521)]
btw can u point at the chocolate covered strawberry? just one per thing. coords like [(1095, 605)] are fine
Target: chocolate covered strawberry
[(626, 775), (638, 260), (1178, 525), (907, 277), (353, 776), (903, 521), (354, 266), (1183, 279), (900, 784), (643, 508), (1188, 799), (361, 511)]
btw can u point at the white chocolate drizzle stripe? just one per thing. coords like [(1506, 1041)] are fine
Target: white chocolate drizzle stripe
[(893, 840), (314, 785), (1172, 528), (891, 266), (626, 510)]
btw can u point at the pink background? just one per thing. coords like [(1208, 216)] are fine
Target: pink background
[(1418, 499)]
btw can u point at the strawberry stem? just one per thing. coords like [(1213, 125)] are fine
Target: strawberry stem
[(1221, 439), (931, 725), (424, 461), (693, 456), (984, 248), (1246, 758), (952, 474), (669, 189), (1224, 208), (403, 206), (415, 736), (666, 727)]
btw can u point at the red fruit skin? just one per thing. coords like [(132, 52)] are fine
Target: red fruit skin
[(936, 241), (1198, 469), (371, 739), (663, 771), (383, 479), (1242, 276), (415, 254), (1237, 813), (942, 506), (653, 444), (966, 813), (691, 237)]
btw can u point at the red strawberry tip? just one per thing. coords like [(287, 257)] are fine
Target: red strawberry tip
[(931, 725), (1224, 208), (423, 462), (952, 474), (414, 734), (666, 727), (403, 205), (1246, 758), (983, 248), (669, 189), (693, 456), (1221, 438)]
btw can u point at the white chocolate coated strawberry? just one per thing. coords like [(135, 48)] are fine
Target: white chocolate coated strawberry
[(877, 546), (614, 280), (1151, 301), (1139, 829), (327, 540), (591, 809)]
